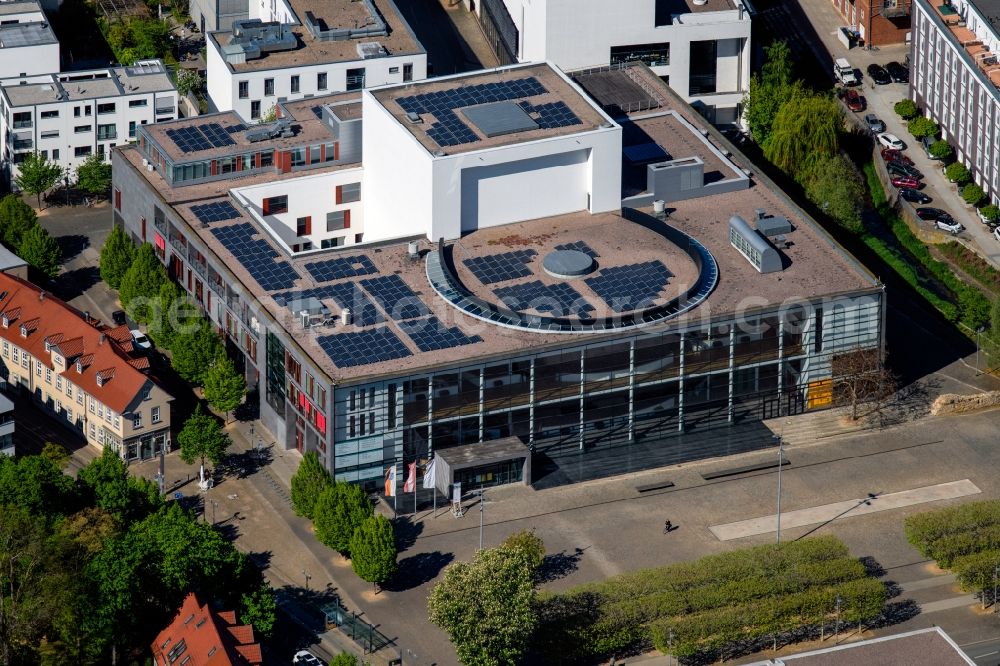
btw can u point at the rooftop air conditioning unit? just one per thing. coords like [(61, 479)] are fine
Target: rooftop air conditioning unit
[(150, 167), (345, 317), (145, 162)]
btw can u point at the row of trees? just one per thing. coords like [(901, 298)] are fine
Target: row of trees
[(21, 232), (93, 567), (345, 520), (37, 175)]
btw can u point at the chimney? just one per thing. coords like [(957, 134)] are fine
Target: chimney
[(100, 341), (41, 296), (86, 315)]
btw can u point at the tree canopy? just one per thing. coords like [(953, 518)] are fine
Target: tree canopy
[(142, 282), (957, 173), (41, 251), (308, 483), (973, 194), (340, 509), (373, 550), (94, 175), (16, 218), (107, 485), (804, 129), (202, 437), (224, 387), (193, 352), (770, 90), (922, 126), (117, 255), (188, 81), (834, 184), (37, 175), (906, 109)]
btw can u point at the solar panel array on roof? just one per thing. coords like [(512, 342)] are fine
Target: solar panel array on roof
[(395, 297), (349, 295), (215, 211), (560, 299), (555, 114), (499, 118), (501, 267), (430, 334), (448, 130), (363, 347), (341, 267), (579, 246), (192, 139), (238, 127), (216, 136), (630, 287), (257, 257)]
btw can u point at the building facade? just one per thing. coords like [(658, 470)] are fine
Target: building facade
[(877, 22), (6, 426), (294, 49), (83, 374), (701, 48), (954, 78), (437, 321)]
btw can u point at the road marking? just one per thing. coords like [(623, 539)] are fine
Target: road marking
[(988, 654), (846, 509)]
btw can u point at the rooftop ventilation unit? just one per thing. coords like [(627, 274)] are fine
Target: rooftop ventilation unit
[(414, 118), (368, 50), (753, 246), (253, 38), (772, 225), (280, 128)]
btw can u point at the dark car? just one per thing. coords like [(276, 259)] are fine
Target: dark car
[(914, 196), (897, 72), (878, 74), (900, 169), (932, 214), (118, 316), (890, 155), (855, 102)]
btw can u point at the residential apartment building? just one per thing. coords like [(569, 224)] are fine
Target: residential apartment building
[(27, 43), (955, 79), (877, 22), (410, 272), (6, 426), (292, 49), (80, 372), (200, 636), (701, 48), (69, 116)]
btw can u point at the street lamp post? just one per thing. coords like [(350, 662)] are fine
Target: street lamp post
[(995, 571), (482, 514), (781, 459), (306, 575), (836, 632), (978, 332)]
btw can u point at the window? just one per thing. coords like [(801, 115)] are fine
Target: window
[(649, 54), (22, 120), (136, 103), (49, 114), (255, 109), (118, 422), (275, 205), (6, 348), (83, 129), (24, 360), (358, 238), (154, 415), (244, 87), (103, 109), (394, 70), (51, 134), (295, 83), (48, 375), (69, 390), (118, 199), (268, 87), (298, 157), (80, 151), (327, 243), (321, 81), (38, 369), (79, 397), (704, 63), (356, 78), (76, 112), (87, 110), (337, 220), (303, 226), (58, 383), (107, 132), (55, 153), (408, 71), (348, 193), (136, 420), (131, 129)]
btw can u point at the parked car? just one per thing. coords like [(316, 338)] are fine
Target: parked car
[(931, 214), (914, 196), (878, 74), (996, 233), (307, 658), (897, 72), (854, 101), (982, 218), (890, 141), (874, 123), (843, 71), (140, 339), (890, 155), (905, 181), (118, 316), (901, 169), (948, 224)]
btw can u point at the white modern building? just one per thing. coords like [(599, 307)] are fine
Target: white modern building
[(955, 79), (292, 49), (6, 426), (701, 48), (70, 116)]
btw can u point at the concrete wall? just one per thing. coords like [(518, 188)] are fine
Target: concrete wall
[(29, 60)]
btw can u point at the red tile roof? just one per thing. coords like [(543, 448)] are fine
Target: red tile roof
[(48, 319), (209, 638)]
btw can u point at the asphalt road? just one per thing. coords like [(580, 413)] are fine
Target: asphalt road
[(984, 653)]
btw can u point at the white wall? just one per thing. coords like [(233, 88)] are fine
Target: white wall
[(29, 60)]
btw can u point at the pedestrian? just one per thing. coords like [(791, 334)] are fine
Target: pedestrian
[(667, 526)]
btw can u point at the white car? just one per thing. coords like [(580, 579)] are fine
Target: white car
[(949, 224), (307, 658), (890, 141), (996, 233), (140, 339)]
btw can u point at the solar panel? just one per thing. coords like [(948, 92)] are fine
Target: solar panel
[(215, 212), (341, 267), (430, 334), (215, 135), (395, 297), (349, 295), (560, 299), (363, 347), (630, 287), (188, 139), (257, 257), (555, 114), (501, 267), (579, 246), (238, 127)]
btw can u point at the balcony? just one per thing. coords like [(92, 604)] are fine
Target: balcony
[(163, 106), (22, 141), (107, 134), (892, 10), (22, 124)]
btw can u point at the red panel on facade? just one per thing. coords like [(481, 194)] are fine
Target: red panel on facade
[(160, 243)]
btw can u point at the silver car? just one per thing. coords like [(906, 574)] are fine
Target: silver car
[(875, 125)]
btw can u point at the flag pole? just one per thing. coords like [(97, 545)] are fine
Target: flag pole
[(414, 491)]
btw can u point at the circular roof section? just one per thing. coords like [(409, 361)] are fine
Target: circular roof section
[(568, 264)]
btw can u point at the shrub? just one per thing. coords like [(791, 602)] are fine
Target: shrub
[(941, 150), (991, 212), (906, 109), (973, 194), (971, 263), (957, 173), (920, 127)]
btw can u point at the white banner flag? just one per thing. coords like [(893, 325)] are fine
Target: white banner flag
[(429, 474)]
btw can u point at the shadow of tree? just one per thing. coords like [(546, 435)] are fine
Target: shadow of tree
[(242, 464), (72, 245), (558, 565), (407, 532), (72, 283), (418, 569)]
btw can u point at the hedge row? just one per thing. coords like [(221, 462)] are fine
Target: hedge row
[(973, 264), (975, 572), (925, 530)]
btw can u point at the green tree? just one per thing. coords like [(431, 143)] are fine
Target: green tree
[(340, 509), (169, 311), (94, 175), (117, 255), (16, 218), (188, 81), (778, 64), (834, 184), (106, 484), (957, 173), (973, 194), (141, 283), (344, 659), (192, 353), (804, 130), (260, 608), (308, 483), (224, 387), (41, 251), (527, 544), (202, 437), (37, 485), (56, 454), (906, 109), (373, 550), (769, 91), (991, 212), (486, 607), (995, 320), (922, 126), (37, 175), (941, 150)]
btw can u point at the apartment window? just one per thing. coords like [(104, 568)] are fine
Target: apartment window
[(22, 120), (337, 220), (48, 375), (408, 71), (81, 151), (69, 390), (79, 397), (356, 78), (58, 383), (704, 62), (51, 134), (154, 415), (358, 238), (24, 360), (76, 112), (118, 199), (244, 87), (652, 55), (298, 156), (131, 129), (103, 109), (268, 87), (394, 70), (49, 114), (118, 421), (6, 348), (55, 153), (87, 110), (275, 205), (303, 226), (348, 193), (327, 243), (255, 110), (321, 81), (136, 103), (136, 421), (82, 129), (295, 83), (107, 132)]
